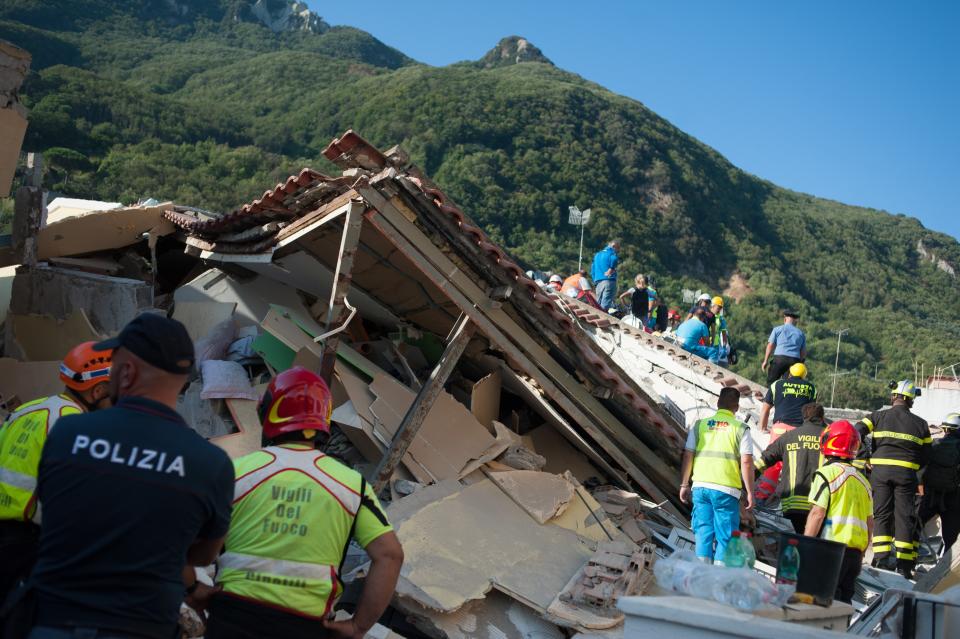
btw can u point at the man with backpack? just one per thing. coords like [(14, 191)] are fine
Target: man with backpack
[(941, 482)]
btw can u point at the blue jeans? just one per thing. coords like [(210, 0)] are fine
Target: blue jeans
[(606, 290), (711, 353), (715, 516)]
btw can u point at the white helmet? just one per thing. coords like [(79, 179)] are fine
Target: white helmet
[(951, 421), (556, 278), (705, 298)]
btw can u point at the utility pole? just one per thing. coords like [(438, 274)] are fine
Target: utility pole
[(836, 363), (579, 218)]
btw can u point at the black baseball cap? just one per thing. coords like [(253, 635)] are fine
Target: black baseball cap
[(791, 313), (158, 340)]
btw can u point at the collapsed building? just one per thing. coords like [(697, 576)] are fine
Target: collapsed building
[(529, 446)]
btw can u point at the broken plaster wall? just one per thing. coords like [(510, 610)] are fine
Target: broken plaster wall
[(109, 302)]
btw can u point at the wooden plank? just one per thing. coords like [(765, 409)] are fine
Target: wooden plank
[(312, 221), (424, 401), (450, 279), (337, 312)]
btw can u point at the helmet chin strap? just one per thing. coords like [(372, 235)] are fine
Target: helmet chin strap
[(90, 407)]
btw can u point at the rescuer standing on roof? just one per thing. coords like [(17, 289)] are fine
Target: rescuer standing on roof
[(842, 506), (787, 344), (718, 457), (941, 482), (604, 274), (901, 444), (294, 513), (798, 451), (84, 373), (130, 494)]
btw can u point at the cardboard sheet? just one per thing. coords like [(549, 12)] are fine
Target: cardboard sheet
[(248, 436), (459, 547), (101, 230), (43, 338), (560, 454), (449, 437), (22, 382), (200, 317), (485, 399)]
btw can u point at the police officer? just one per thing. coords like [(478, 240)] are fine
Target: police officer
[(941, 482), (294, 513), (901, 444), (799, 453), (84, 373), (842, 506)]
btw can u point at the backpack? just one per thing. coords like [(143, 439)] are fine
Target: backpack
[(943, 468)]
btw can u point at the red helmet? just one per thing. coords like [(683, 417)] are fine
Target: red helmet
[(83, 368), (840, 439), (297, 399)]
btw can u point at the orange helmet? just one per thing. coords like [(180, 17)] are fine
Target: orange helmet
[(297, 399), (840, 439), (83, 368)]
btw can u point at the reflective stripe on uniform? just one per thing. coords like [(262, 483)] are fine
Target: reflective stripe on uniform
[(297, 460), (281, 567), (716, 454), (894, 462), (849, 521), (17, 480), (880, 434), (882, 548), (868, 423)]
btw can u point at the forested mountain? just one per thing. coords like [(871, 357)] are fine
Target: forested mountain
[(210, 102)]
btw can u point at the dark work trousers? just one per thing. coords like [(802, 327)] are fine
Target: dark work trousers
[(849, 569), (779, 365), (946, 504), (18, 552), (798, 518), (895, 515), (235, 618)]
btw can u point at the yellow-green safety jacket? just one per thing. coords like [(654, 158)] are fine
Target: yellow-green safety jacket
[(22, 438), (716, 459), (294, 512), (845, 494)]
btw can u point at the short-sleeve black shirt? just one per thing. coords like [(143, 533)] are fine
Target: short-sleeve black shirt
[(124, 493), (788, 396)]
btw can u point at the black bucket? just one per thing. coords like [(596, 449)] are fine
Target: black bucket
[(820, 563)]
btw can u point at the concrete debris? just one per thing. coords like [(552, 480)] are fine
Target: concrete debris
[(522, 458), (542, 495)]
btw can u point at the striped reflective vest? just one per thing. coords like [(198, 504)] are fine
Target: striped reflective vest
[(851, 504), (716, 459), (21, 442), (293, 515)]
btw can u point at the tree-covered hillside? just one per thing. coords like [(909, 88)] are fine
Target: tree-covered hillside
[(203, 102)]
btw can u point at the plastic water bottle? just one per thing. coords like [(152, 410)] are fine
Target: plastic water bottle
[(827, 531), (749, 552), (733, 556), (788, 568)]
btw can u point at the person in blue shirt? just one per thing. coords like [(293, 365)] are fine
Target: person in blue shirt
[(787, 344), (604, 274), (690, 334)]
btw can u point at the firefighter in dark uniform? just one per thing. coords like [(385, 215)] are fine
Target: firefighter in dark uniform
[(900, 448), (941, 482)]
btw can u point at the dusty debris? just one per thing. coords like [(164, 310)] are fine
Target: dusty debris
[(522, 458), (542, 495)]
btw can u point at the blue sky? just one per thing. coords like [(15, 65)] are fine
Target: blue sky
[(855, 101)]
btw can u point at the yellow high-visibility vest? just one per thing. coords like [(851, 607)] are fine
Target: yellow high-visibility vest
[(851, 503), (717, 457), (293, 515), (21, 442)]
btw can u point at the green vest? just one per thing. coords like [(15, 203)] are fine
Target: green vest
[(720, 331), (293, 513), (851, 504), (21, 441), (717, 458)]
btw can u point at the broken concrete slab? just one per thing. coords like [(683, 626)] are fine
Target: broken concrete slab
[(503, 440), (92, 231), (584, 516), (542, 495), (460, 546), (494, 617), (253, 296), (109, 302)]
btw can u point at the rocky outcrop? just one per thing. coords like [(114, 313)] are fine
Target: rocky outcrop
[(513, 50), (930, 256), (287, 16)]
